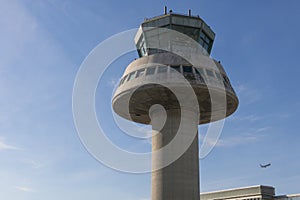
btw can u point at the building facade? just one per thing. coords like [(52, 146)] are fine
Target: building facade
[(259, 192)]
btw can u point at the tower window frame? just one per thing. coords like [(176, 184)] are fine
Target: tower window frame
[(205, 41), (162, 69), (199, 71), (210, 73), (175, 68), (187, 69), (131, 76), (219, 76), (123, 80), (140, 72), (150, 71)]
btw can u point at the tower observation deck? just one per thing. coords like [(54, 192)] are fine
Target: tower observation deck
[(172, 46)]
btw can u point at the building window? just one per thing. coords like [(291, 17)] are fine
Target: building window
[(188, 72), (123, 80), (199, 74), (162, 69), (205, 41), (131, 76), (226, 80), (210, 73), (140, 72), (205, 46), (175, 68), (187, 69), (150, 71), (218, 76), (141, 47), (143, 51), (189, 31), (199, 71)]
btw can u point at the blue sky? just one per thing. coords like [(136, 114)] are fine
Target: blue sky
[(43, 44)]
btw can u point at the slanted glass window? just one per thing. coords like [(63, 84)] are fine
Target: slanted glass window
[(210, 73), (140, 72), (150, 71), (123, 80), (201, 42), (199, 74), (189, 31), (205, 41), (139, 52), (143, 51), (226, 80), (187, 69), (202, 35), (188, 72), (175, 67), (199, 71), (218, 76), (131, 76), (162, 69), (141, 47), (205, 46)]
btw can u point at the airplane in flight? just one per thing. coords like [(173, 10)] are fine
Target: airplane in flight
[(265, 166)]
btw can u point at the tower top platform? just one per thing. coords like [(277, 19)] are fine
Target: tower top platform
[(192, 26), (179, 19)]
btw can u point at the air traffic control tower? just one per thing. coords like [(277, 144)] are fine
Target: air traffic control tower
[(168, 46)]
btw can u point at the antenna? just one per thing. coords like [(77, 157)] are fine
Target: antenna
[(165, 10)]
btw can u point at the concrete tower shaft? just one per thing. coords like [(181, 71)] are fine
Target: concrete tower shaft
[(179, 180)]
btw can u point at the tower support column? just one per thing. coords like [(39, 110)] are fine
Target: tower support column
[(180, 179)]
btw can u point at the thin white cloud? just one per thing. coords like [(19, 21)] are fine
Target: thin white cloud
[(84, 175), (251, 118), (113, 82), (240, 88), (249, 94), (34, 164), (237, 140), (5, 146), (263, 129), (24, 189), (253, 136)]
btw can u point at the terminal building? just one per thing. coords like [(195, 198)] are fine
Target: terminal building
[(259, 192)]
